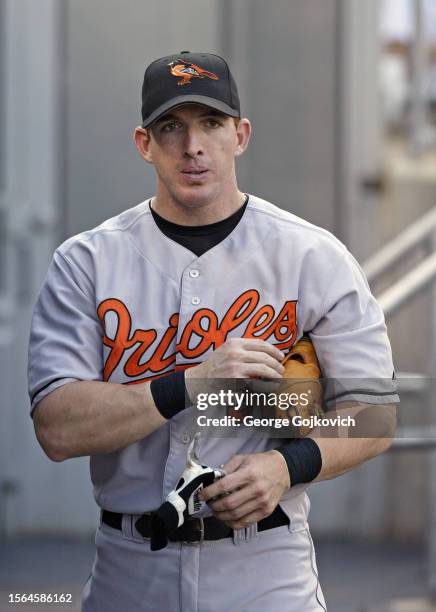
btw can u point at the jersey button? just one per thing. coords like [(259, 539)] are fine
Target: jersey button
[(194, 273), (185, 437), (195, 300)]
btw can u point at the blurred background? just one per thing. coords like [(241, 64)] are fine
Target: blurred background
[(342, 97)]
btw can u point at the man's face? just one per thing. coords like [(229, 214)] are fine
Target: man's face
[(193, 150)]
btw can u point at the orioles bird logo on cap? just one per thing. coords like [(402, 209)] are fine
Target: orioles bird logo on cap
[(188, 71)]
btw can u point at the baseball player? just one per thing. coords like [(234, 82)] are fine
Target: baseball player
[(198, 282)]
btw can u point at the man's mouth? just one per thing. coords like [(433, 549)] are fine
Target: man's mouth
[(195, 172)]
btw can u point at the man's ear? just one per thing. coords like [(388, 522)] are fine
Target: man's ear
[(243, 133), (142, 138)]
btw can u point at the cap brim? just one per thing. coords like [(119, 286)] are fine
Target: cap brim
[(186, 99)]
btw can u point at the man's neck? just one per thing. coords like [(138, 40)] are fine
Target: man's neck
[(204, 214)]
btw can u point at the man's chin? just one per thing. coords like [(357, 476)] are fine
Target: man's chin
[(196, 196)]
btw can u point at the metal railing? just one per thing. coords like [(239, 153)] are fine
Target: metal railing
[(391, 300), (413, 282), (422, 276), (387, 257)]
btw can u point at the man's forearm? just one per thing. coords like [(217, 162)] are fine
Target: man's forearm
[(341, 454), (91, 417)]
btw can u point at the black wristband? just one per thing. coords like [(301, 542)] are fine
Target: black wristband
[(303, 459), (169, 394)]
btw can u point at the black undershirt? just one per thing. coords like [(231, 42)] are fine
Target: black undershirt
[(200, 238)]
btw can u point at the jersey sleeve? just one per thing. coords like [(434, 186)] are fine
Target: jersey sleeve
[(351, 340), (66, 335)]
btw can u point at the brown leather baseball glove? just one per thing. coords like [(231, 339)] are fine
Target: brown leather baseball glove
[(301, 384)]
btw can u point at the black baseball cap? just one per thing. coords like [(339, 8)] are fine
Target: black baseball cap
[(183, 78)]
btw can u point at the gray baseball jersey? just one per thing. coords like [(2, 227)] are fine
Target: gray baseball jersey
[(124, 303)]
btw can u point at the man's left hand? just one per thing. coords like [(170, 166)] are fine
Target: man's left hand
[(250, 491)]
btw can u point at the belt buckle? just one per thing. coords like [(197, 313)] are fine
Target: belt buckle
[(200, 529)]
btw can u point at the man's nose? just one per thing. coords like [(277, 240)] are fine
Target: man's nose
[(193, 142)]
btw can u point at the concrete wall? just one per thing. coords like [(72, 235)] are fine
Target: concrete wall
[(283, 58)]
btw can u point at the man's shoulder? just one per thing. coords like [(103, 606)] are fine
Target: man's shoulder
[(112, 229), (297, 228)]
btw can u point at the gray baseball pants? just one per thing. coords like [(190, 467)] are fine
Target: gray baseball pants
[(274, 571)]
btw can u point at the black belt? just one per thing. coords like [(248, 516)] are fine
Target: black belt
[(197, 529)]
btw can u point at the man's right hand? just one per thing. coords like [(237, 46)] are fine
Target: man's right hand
[(237, 358)]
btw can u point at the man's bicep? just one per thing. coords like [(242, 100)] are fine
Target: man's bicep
[(42, 409), (351, 342), (351, 338), (66, 335), (364, 420)]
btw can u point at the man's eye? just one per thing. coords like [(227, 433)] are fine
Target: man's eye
[(169, 127), (213, 123)]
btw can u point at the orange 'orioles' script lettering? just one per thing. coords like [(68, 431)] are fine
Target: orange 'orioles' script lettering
[(202, 332)]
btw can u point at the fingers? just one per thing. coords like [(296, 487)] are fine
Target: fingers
[(251, 357), (241, 471), (255, 358), (251, 344), (230, 503), (221, 487), (261, 370), (247, 520), (250, 491), (229, 483), (234, 463), (243, 507), (238, 513), (239, 358)]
